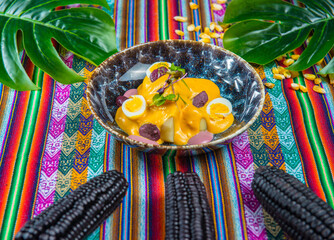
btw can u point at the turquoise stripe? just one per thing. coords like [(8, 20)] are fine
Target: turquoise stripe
[(197, 21), (234, 202), (119, 24), (107, 233), (94, 235), (217, 194), (112, 147), (183, 5), (111, 166), (207, 14), (142, 193), (127, 199), (197, 166), (284, 127), (207, 9), (96, 157), (142, 19), (111, 5), (109, 161), (95, 161)]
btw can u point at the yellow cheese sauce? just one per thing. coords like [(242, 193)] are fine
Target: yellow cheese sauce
[(186, 116)]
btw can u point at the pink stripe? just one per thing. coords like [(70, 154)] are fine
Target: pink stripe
[(218, 16), (50, 161), (252, 208), (146, 191), (116, 16)]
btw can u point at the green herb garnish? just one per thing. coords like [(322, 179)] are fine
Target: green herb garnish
[(267, 29), (159, 99), (185, 83), (183, 100), (177, 68), (176, 74)]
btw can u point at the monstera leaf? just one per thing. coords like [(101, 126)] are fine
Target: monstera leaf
[(88, 32), (266, 29)]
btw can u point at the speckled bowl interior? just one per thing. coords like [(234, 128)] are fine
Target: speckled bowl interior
[(237, 80)]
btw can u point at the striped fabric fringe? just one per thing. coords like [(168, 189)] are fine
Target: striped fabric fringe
[(50, 143)]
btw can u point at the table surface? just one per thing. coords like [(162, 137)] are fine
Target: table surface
[(50, 143)]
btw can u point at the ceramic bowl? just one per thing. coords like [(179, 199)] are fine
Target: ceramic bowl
[(237, 80)]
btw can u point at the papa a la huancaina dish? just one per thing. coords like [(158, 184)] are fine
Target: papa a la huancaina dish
[(169, 107)]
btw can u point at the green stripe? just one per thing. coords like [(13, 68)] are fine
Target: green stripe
[(165, 164), (168, 159), (168, 163), (163, 20), (316, 143), (15, 191), (172, 161), (95, 162)]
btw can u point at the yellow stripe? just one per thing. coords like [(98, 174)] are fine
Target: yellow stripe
[(115, 6), (2, 93), (105, 157)]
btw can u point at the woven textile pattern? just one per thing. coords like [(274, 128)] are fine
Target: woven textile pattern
[(50, 143)]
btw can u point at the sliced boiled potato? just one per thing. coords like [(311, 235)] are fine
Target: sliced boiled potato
[(167, 130), (202, 125)]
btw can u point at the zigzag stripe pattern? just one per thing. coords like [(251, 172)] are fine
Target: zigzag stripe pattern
[(261, 158), (245, 169), (50, 161), (67, 154), (255, 225), (84, 137), (270, 135), (270, 147), (96, 160), (284, 128), (257, 143), (96, 157)]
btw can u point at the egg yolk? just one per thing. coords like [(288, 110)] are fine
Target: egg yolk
[(217, 110), (185, 116), (134, 105)]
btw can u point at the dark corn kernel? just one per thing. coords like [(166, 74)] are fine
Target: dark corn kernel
[(299, 212), (188, 215), (81, 212)]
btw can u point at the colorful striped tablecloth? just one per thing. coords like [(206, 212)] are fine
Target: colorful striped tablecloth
[(50, 143)]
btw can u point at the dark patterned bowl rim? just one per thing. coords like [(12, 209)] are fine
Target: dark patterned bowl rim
[(175, 147)]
